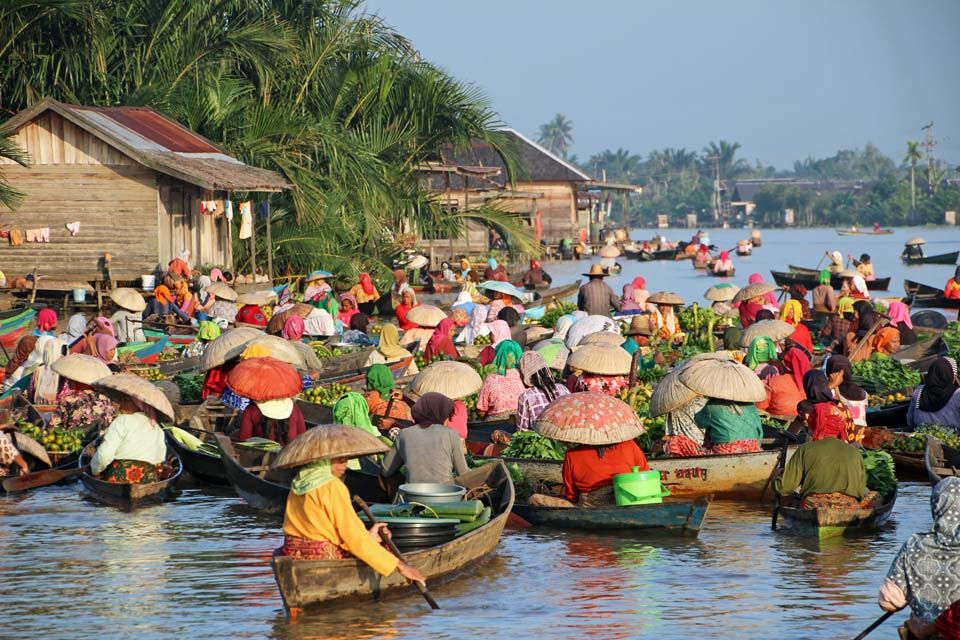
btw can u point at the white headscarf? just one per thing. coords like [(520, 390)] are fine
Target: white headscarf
[(860, 285), (46, 382)]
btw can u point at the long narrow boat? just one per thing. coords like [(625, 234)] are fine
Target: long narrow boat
[(306, 584), (199, 465), (828, 522), (14, 326), (357, 377), (924, 296), (852, 232), (921, 355), (722, 274), (943, 258), (940, 461), (912, 288), (130, 496), (798, 276), (683, 516), (556, 294)]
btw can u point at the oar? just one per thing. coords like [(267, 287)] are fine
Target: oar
[(865, 339), (876, 623), (821, 259), (39, 479), (776, 507), (393, 548)]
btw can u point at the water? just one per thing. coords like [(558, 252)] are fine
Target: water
[(198, 568)]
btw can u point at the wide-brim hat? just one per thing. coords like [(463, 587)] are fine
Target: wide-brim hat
[(773, 329), (603, 338), (288, 351), (601, 360), (138, 388), (590, 418), (643, 324), (257, 298), (227, 347), (426, 315), (81, 368), (609, 251), (751, 291), (279, 409), (222, 291), (596, 271), (318, 274), (326, 442), (665, 297), (722, 292), (915, 241), (129, 299), (724, 379), (670, 394), (450, 378)]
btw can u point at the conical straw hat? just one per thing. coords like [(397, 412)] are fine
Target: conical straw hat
[(222, 291), (774, 329), (603, 338), (916, 241), (555, 353), (721, 292), (665, 297), (228, 346), (263, 379), (452, 379), (601, 360), (723, 379), (258, 298), (326, 442), (129, 299), (284, 350), (751, 291), (609, 251), (136, 387), (426, 315), (81, 368), (277, 320), (670, 394), (589, 418)]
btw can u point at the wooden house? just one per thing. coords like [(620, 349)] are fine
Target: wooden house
[(132, 178)]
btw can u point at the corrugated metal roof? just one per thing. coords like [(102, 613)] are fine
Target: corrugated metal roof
[(156, 128)]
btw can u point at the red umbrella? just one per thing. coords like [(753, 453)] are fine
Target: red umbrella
[(263, 379)]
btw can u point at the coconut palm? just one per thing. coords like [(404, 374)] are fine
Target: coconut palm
[(731, 167), (10, 197), (912, 155), (557, 135)]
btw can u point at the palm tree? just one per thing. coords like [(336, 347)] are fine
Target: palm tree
[(557, 135), (10, 197), (731, 167), (912, 156)]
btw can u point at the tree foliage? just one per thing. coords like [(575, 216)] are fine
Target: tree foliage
[(557, 135)]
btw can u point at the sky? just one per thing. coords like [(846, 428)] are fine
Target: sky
[(786, 80)]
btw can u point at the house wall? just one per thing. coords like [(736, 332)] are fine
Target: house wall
[(558, 207), (182, 226)]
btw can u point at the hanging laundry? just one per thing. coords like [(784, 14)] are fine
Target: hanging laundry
[(218, 207), (208, 207), (4, 234), (16, 237), (246, 220), (73, 227), (38, 235), (228, 210)]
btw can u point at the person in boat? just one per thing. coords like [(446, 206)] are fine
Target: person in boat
[(541, 389), (825, 472), (937, 400), (951, 290), (348, 309), (440, 345), (383, 398), (183, 298), (668, 324), (824, 299), (365, 294), (79, 406), (748, 310), (799, 292), (356, 332), (702, 256), (162, 304), (924, 572), (640, 293), (596, 297), (126, 322), (834, 332), (400, 285), (856, 288), (9, 454), (792, 314), (597, 382), (836, 262), (536, 276), (316, 285), (352, 409), (914, 251), (408, 300), (864, 319), (105, 348), (899, 315), (500, 393), (493, 270), (641, 329), (840, 380), (279, 420), (26, 356), (682, 437), (761, 352), (769, 298), (446, 272), (628, 301), (477, 327), (431, 451), (320, 523), (499, 331), (518, 332), (730, 427), (502, 300), (886, 340), (723, 264), (77, 329), (731, 343), (293, 328), (864, 266), (223, 309), (45, 381), (389, 350), (207, 331), (785, 390), (823, 410), (133, 447)]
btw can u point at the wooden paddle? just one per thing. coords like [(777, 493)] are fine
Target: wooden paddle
[(876, 623), (393, 548), (39, 479), (865, 339), (781, 462)]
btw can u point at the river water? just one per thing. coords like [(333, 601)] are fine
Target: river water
[(198, 567)]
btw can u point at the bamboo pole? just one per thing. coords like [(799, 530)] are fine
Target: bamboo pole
[(269, 243)]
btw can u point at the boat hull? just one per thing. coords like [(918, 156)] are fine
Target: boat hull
[(847, 232), (943, 258), (685, 516), (940, 461), (828, 523), (200, 466), (810, 279), (128, 497)]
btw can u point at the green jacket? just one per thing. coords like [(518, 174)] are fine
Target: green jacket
[(726, 421), (824, 466)]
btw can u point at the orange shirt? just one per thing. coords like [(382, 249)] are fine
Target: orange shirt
[(584, 471), (782, 396), (952, 290)]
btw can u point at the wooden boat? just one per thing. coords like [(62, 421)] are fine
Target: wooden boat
[(923, 295), (943, 258), (199, 465), (556, 294), (683, 516), (171, 368), (147, 352), (306, 584), (827, 522), (335, 368), (357, 379), (921, 354), (940, 461), (14, 324), (642, 256), (857, 232), (668, 254), (810, 279), (912, 288), (130, 496), (722, 274)]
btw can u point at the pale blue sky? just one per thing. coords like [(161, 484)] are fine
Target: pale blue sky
[(786, 80)]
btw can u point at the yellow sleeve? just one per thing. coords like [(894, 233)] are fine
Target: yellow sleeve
[(354, 534)]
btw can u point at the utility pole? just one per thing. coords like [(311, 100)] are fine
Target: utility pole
[(717, 202), (930, 144)]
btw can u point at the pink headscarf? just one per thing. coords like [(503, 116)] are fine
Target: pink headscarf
[(47, 320), (441, 333), (768, 296), (499, 331), (639, 283), (725, 255), (899, 313), (344, 316), (102, 344), (293, 328), (216, 275), (105, 324)]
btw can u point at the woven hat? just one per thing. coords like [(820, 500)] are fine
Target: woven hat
[(81, 368), (279, 409), (773, 329), (318, 274), (665, 297), (222, 291), (609, 251), (452, 379), (590, 418), (227, 347), (285, 351), (601, 360), (725, 379), (262, 379), (751, 291), (670, 394), (326, 442), (722, 292), (554, 352), (129, 299), (258, 298), (643, 324), (277, 320), (426, 315), (916, 240), (595, 271), (603, 338), (136, 387)]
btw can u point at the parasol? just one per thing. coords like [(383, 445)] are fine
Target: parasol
[(773, 329), (725, 379), (263, 379), (589, 418), (326, 442), (502, 287), (452, 379), (554, 353)]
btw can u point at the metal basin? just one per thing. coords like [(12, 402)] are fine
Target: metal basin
[(431, 492)]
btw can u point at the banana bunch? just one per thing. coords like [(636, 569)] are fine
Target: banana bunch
[(638, 397)]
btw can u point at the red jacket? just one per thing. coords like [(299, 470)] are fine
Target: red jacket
[(254, 425), (584, 471)]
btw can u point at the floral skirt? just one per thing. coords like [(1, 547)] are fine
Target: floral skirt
[(750, 445), (682, 447), (306, 549), (132, 472), (839, 500)]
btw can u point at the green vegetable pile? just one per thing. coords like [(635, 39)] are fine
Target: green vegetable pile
[(651, 375), (328, 394), (550, 318), (422, 362), (880, 475), (523, 487), (638, 398), (951, 335), (916, 442), (190, 387), (880, 373), (530, 445)]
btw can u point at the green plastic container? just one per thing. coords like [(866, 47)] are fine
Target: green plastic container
[(639, 487)]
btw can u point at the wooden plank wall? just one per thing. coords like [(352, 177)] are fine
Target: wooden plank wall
[(558, 206), (182, 226), (49, 139)]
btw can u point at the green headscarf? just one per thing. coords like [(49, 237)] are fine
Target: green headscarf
[(845, 305), (207, 331), (824, 277), (731, 338), (507, 356), (314, 475), (380, 379), (352, 409), (762, 349), (328, 302)]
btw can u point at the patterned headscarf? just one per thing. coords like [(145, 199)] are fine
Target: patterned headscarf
[(507, 357), (252, 315)]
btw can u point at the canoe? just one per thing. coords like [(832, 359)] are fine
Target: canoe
[(642, 256), (912, 288), (171, 368), (943, 258), (347, 365), (810, 279), (683, 516), (827, 522), (14, 326), (358, 378), (306, 584), (199, 465), (921, 354), (940, 461), (130, 496), (933, 302), (556, 294), (722, 274), (849, 232), (147, 352), (266, 489)]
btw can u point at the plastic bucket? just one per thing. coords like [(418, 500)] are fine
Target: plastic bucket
[(148, 282), (79, 294), (639, 487)]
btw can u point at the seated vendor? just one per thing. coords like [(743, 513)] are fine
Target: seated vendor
[(133, 446), (9, 455), (431, 451), (731, 427)]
